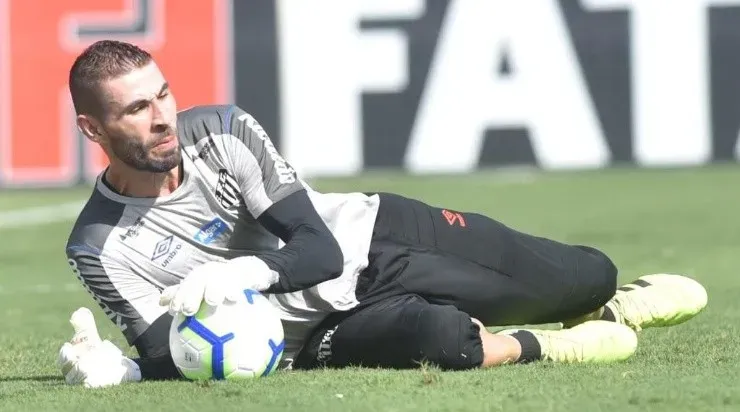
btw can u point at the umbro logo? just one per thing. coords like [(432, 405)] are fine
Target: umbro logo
[(162, 247)]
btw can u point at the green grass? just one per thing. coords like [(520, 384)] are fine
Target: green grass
[(683, 221), (19, 198)]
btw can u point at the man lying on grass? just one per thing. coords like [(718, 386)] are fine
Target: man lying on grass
[(390, 281)]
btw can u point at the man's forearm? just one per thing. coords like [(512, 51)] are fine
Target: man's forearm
[(311, 254), (157, 368), (155, 361)]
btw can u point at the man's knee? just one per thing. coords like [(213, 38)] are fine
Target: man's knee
[(600, 274), (448, 338), (400, 332)]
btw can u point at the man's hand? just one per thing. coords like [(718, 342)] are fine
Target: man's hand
[(91, 362), (217, 282)]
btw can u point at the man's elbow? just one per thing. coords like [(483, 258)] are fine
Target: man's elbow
[(332, 260)]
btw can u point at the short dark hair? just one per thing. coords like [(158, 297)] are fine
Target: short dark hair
[(103, 60)]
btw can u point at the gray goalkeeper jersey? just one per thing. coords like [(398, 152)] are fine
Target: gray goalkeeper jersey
[(126, 250)]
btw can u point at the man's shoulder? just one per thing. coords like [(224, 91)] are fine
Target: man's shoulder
[(218, 115), (204, 111), (198, 122), (95, 223)]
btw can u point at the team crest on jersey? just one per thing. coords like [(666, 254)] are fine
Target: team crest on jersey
[(227, 190)]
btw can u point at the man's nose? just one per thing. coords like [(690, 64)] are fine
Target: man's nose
[(160, 119)]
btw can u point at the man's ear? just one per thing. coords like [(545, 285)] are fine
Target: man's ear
[(89, 127)]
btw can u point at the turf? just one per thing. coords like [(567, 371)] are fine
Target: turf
[(649, 221)]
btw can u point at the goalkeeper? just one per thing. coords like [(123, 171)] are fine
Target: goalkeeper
[(199, 202)]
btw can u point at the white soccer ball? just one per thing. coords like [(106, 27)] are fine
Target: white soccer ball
[(232, 341)]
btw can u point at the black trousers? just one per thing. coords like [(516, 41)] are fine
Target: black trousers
[(431, 269)]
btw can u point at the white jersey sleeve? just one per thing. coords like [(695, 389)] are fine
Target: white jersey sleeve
[(125, 296), (263, 175)]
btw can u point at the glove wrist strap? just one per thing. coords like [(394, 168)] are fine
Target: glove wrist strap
[(253, 272), (133, 372)]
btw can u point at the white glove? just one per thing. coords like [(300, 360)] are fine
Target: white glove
[(91, 362), (217, 282)]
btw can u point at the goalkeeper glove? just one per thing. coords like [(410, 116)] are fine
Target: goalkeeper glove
[(91, 362), (216, 282)]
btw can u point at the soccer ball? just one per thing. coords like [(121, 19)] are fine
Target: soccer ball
[(232, 341)]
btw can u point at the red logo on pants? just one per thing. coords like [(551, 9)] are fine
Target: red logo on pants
[(453, 217)]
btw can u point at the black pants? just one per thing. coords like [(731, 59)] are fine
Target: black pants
[(431, 269)]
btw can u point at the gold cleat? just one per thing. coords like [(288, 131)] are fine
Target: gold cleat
[(595, 341)]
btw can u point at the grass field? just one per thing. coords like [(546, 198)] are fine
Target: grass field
[(685, 221)]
